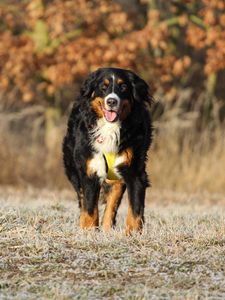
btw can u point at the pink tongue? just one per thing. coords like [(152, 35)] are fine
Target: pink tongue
[(110, 115)]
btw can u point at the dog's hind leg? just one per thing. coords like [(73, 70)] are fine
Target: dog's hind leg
[(136, 197)]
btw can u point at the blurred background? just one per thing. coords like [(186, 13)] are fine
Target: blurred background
[(47, 48)]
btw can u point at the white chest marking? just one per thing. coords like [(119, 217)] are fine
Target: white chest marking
[(97, 165), (106, 136)]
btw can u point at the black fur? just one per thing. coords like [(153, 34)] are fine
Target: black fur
[(136, 133)]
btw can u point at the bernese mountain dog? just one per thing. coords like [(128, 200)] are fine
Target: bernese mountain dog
[(109, 133)]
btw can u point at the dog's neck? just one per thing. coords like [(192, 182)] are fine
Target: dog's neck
[(105, 136)]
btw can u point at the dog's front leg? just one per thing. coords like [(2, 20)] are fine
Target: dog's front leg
[(89, 203), (91, 184)]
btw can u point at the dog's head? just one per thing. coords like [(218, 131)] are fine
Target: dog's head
[(112, 93)]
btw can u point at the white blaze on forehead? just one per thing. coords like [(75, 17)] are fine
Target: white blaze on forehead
[(112, 95), (113, 86)]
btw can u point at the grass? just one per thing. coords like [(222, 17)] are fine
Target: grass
[(188, 161), (44, 254)]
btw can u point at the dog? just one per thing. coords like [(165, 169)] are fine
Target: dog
[(108, 136)]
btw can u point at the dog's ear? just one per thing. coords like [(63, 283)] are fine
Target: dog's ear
[(140, 89), (89, 84)]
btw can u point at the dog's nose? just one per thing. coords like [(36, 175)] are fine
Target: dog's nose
[(111, 102)]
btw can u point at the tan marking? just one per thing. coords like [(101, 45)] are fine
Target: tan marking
[(88, 221), (89, 170), (93, 93), (97, 105), (112, 181), (134, 223), (125, 109), (127, 156), (106, 81), (120, 81), (112, 203)]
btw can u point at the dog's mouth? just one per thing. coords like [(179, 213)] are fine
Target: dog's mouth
[(111, 115)]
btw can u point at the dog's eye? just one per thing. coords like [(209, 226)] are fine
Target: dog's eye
[(123, 87), (103, 87)]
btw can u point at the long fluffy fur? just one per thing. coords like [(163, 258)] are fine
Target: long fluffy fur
[(134, 132)]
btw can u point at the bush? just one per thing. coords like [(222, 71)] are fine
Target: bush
[(48, 47)]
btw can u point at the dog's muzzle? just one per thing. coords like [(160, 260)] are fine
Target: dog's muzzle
[(112, 102), (111, 107)]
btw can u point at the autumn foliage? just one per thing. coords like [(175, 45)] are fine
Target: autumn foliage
[(48, 47)]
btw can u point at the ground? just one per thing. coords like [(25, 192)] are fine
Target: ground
[(44, 254)]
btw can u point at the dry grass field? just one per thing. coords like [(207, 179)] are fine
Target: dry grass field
[(47, 49), (44, 255)]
